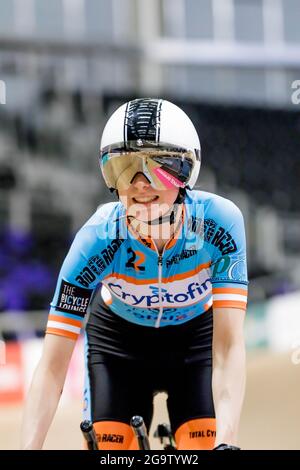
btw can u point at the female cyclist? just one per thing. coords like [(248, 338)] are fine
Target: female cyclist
[(163, 271)]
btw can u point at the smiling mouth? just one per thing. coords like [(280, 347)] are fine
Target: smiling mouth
[(145, 200)]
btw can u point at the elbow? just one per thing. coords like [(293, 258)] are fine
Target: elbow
[(229, 351)]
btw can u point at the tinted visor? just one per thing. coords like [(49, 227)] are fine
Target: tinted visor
[(164, 168)]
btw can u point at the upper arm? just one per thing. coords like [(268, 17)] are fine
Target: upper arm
[(229, 261), (56, 356), (228, 335), (228, 326)]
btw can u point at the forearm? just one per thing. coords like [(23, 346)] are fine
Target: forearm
[(40, 407), (229, 378)]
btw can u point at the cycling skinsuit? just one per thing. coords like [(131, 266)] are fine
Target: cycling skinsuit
[(150, 315)]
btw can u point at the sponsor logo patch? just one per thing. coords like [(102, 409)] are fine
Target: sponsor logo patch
[(97, 264), (202, 433), (219, 237), (73, 299), (185, 254), (194, 291), (118, 438)]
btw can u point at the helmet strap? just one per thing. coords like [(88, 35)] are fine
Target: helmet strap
[(169, 218)]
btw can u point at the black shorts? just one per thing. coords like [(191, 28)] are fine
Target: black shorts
[(128, 364)]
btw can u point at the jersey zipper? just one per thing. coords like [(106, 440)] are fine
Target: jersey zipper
[(160, 266), (160, 297)]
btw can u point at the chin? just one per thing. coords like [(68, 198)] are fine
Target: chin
[(145, 214)]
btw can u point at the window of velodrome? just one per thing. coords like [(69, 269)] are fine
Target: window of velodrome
[(49, 18), (291, 15), (248, 20), (6, 17)]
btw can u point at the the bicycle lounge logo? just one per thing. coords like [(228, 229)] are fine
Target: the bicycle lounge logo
[(2, 92)]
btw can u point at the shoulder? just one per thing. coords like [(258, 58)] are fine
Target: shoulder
[(103, 224), (103, 215), (101, 228), (95, 235), (215, 206)]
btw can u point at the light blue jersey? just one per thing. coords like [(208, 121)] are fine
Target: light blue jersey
[(203, 266)]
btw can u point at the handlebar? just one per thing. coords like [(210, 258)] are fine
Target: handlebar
[(88, 431), (139, 428)]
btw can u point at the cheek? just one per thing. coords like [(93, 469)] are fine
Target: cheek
[(169, 196)]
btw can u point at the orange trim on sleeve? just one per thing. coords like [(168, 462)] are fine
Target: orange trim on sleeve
[(229, 304), (229, 290), (66, 320), (58, 332)]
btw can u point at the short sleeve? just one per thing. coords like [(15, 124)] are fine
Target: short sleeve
[(81, 272), (229, 261)]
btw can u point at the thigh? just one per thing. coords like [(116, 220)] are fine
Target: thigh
[(119, 389), (190, 403)]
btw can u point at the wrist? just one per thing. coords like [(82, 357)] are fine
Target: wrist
[(224, 446), (227, 436)]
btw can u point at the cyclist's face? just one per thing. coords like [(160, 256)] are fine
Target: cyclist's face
[(145, 202)]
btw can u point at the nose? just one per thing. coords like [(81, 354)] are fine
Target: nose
[(140, 181)]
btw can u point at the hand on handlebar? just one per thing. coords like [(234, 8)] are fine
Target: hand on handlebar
[(226, 447)]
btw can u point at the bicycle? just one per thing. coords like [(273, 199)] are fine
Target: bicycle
[(89, 434), (163, 433)]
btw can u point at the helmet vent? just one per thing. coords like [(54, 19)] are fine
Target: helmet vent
[(142, 120)]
